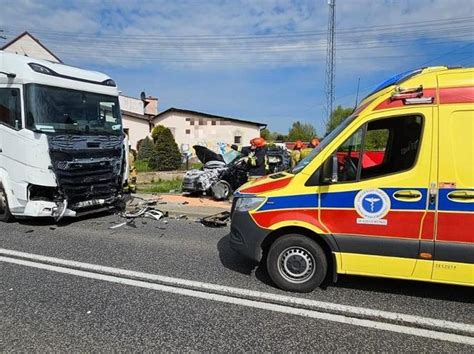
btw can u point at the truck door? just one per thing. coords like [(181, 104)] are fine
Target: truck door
[(10, 148), (454, 244), (377, 208)]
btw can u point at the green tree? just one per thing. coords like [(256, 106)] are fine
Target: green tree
[(167, 156), (146, 150), (158, 131), (266, 134), (280, 137), (301, 131), (337, 116)]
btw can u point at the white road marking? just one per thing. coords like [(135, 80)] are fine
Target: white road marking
[(234, 296)]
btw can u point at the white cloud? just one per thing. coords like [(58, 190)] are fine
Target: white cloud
[(227, 33)]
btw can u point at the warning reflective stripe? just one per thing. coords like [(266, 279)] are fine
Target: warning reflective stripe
[(456, 95)]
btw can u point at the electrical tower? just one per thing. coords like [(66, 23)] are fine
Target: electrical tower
[(330, 60)]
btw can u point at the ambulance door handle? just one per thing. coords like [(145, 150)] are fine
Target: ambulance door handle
[(462, 196), (407, 195)]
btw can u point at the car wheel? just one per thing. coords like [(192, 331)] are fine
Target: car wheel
[(296, 263), (5, 215), (221, 190)]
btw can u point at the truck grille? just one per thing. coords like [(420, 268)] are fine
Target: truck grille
[(87, 167)]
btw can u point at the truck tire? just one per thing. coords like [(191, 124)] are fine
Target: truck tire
[(221, 190), (296, 263), (5, 215)]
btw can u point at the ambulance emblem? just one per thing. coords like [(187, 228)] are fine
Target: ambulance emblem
[(372, 205)]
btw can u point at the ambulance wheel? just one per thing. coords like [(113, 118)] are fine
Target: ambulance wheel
[(296, 263), (5, 215), (221, 190)]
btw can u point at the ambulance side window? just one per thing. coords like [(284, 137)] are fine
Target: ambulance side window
[(391, 145), (380, 147)]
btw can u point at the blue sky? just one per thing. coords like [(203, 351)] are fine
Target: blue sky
[(260, 60)]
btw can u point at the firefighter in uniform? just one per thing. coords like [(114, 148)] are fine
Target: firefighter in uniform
[(257, 157)]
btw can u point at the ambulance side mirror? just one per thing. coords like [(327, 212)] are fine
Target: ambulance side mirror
[(329, 170)]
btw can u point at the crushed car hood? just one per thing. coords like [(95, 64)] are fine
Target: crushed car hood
[(205, 155)]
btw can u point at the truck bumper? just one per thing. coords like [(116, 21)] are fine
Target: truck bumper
[(246, 237), (35, 208)]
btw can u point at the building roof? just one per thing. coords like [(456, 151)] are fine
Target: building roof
[(26, 33), (135, 115), (187, 111)]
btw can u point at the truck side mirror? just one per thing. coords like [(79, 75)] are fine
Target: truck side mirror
[(329, 174)]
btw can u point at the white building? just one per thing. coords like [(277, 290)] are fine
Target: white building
[(26, 44), (196, 128), (136, 117)]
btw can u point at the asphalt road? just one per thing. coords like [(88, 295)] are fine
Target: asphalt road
[(55, 305)]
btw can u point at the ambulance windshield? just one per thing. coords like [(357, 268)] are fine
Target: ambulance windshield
[(325, 142)]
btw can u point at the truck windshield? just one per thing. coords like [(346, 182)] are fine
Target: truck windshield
[(325, 142), (57, 110)]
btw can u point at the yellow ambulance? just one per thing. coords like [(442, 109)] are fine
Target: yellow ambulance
[(388, 193)]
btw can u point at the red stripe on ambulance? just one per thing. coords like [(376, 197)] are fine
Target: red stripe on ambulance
[(456, 95), (279, 183)]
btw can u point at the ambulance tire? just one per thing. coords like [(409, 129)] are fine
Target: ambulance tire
[(5, 215), (296, 263)]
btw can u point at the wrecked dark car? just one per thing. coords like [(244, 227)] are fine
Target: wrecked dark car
[(219, 176), (279, 159), (222, 174)]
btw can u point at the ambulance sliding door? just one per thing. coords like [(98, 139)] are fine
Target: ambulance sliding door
[(377, 210), (454, 244)]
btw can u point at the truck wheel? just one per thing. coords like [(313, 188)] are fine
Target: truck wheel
[(296, 263), (5, 215), (221, 190)]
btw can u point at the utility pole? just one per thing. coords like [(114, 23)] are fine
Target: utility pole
[(330, 60)]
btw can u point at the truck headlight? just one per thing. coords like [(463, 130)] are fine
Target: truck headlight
[(247, 204)]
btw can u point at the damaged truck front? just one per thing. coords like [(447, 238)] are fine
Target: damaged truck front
[(62, 148)]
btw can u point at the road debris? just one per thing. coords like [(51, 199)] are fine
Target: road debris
[(144, 208), (216, 220)]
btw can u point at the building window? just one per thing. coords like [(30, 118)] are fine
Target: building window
[(201, 121), (188, 131), (213, 122), (237, 139), (188, 119), (192, 122)]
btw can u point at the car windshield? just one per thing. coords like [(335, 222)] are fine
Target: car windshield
[(57, 110), (230, 156), (325, 142)]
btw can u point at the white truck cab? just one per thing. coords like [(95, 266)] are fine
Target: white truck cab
[(62, 150)]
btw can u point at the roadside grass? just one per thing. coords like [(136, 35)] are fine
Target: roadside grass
[(161, 186), (142, 166)]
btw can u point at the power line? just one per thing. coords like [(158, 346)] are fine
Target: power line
[(377, 28)]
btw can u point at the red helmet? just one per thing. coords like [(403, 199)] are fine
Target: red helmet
[(315, 142), (298, 144), (258, 142)]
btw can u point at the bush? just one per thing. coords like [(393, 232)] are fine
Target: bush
[(167, 156), (146, 150)]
